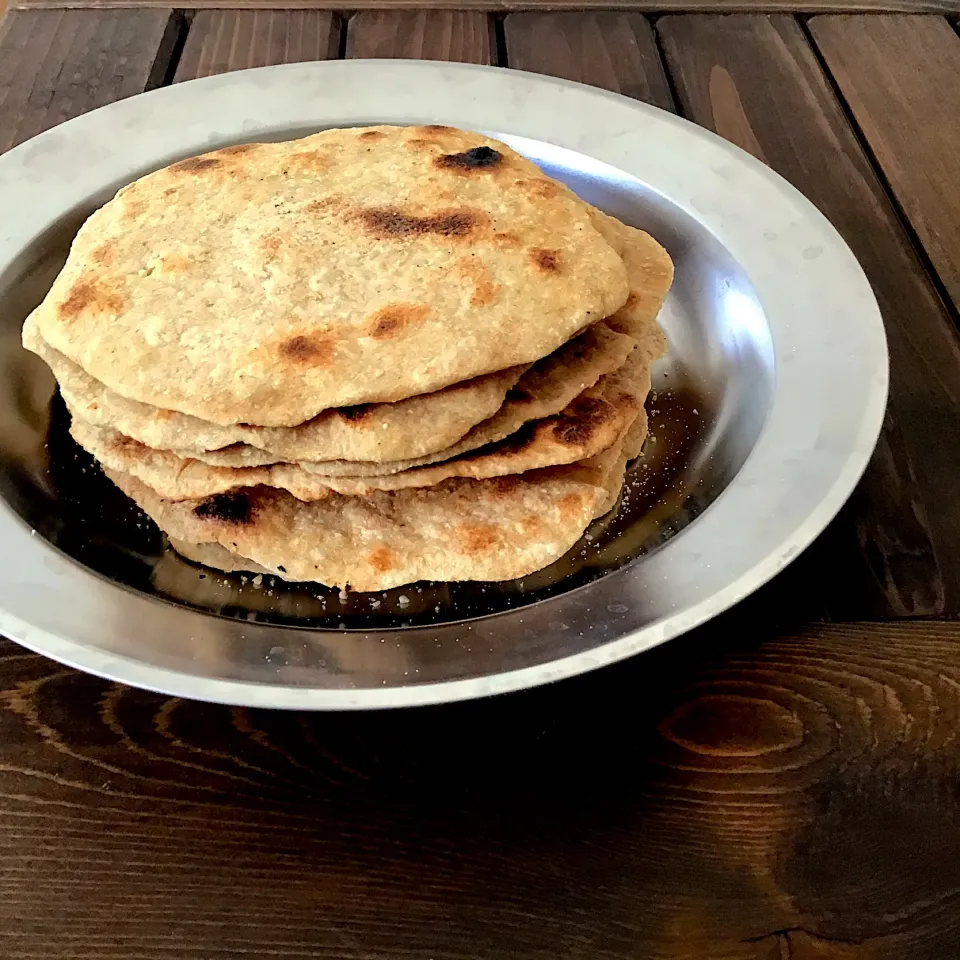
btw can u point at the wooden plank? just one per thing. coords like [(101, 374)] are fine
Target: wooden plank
[(756, 81), (422, 35), (609, 49), (652, 6), (223, 40), (900, 76), (55, 65), (720, 797)]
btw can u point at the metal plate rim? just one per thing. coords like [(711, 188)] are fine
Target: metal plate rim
[(605, 126)]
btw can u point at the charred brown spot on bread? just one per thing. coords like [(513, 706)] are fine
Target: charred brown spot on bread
[(632, 300), (133, 209), (382, 560), (309, 350), (570, 505), (474, 160), (104, 254), (195, 165), (371, 135), (393, 319), (539, 189), (358, 413), (477, 273), (586, 415), (476, 537), (271, 244), (506, 240), (392, 222), (546, 261), (87, 295), (174, 263), (530, 524), (237, 149), (503, 486), (235, 509), (436, 128), (311, 161), (325, 205)]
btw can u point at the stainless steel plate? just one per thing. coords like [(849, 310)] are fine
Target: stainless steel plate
[(766, 410)]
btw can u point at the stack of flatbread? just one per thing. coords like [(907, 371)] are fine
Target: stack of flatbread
[(368, 357)]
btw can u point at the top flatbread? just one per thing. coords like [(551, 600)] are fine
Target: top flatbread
[(264, 283)]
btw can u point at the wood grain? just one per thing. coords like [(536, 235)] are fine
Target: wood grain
[(609, 49), (756, 81), (461, 36), (901, 77), (722, 798), (224, 40), (55, 65), (652, 6)]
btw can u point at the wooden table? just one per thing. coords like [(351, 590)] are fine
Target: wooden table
[(782, 784)]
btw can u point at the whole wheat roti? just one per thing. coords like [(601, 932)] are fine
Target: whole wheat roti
[(549, 385), (546, 388), (459, 530), (593, 422), (263, 283), (650, 274), (380, 431)]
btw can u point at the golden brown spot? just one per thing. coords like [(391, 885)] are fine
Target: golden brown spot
[(237, 149), (503, 486), (160, 414), (476, 537), (471, 162), (506, 240), (371, 135), (232, 508), (314, 350), (570, 505), (476, 272), (104, 254), (436, 128), (382, 560), (547, 261), (170, 191), (539, 189), (195, 165), (395, 318), (586, 415), (530, 525), (133, 209), (325, 205), (174, 264), (632, 301), (313, 161), (392, 222), (271, 244), (86, 296), (418, 145)]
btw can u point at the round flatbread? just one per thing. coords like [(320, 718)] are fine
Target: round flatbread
[(264, 283)]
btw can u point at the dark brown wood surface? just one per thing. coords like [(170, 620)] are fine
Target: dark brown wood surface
[(55, 65), (724, 797), (609, 49), (901, 78), (758, 790), (422, 35), (223, 40)]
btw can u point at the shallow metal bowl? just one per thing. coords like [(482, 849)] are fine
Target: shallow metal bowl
[(765, 410)]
